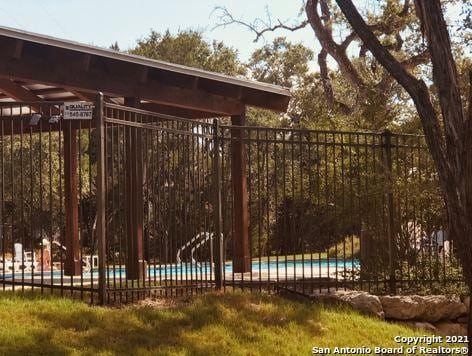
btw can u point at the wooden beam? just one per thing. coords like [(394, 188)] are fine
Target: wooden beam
[(125, 85), (144, 75), (46, 91), (180, 112), (72, 265), (242, 256), (71, 97)]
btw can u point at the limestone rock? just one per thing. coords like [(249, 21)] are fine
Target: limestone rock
[(403, 307), (451, 329), (430, 308), (440, 307), (361, 301)]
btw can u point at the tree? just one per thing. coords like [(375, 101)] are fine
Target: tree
[(447, 129), (358, 91), (449, 141), (189, 48), (285, 63), (281, 62)]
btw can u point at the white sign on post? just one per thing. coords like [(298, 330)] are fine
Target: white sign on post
[(78, 110)]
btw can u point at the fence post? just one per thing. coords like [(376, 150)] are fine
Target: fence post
[(217, 213), (101, 199), (387, 157)]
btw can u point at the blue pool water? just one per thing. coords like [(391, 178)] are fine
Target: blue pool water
[(263, 266), (187, 270)]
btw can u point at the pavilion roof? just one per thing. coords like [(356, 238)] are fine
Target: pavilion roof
[(35, 67)]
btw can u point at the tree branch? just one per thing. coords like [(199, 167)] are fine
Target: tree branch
[(416, 60), (416, 88), (228, 19), (325, 80), (406, 8), (324, 34), (348, 40)]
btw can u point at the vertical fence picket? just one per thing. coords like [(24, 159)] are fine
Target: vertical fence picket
[(390, 209), (217, 213)]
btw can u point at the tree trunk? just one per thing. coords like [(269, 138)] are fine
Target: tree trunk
[(468, 178), (469, 324)]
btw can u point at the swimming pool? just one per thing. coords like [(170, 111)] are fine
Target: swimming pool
[(282, 267)]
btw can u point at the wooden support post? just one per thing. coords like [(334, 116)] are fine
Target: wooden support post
[(136, 266), (242, 256), (72, 265), (101, 200)]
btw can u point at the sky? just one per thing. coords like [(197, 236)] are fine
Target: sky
[(104, 22)]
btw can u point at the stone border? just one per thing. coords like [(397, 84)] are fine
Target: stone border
[(445, 315)]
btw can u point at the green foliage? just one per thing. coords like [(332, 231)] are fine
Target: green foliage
[(280, 62), (425, 272), (444, 272), (290, 64), (349, 248), (33, 188), (189, 48), (302, 226), (285, 63)]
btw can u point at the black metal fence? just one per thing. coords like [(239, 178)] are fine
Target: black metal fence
[(330, 210), (134, 203)]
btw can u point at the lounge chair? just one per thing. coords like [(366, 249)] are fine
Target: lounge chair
[(21, 261), (24, 259)]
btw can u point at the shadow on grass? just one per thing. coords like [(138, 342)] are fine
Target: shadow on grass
[(212, 324)]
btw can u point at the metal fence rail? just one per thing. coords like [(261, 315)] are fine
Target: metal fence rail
[(134, 203)]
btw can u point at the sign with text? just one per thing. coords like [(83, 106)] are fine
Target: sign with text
[(78, 110)]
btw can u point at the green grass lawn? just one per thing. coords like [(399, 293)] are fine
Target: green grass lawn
[(231, 324)]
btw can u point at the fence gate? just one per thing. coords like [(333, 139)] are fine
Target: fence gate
[(161, 214)]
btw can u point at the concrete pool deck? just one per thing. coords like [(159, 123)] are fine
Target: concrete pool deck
[(172, 274)]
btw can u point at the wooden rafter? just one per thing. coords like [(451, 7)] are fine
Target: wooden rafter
[(16, 91)]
